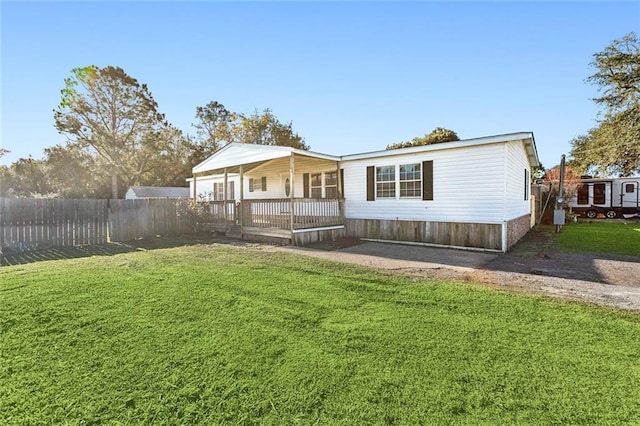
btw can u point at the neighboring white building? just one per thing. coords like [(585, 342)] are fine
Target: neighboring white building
[(472, 193), (137, 192)]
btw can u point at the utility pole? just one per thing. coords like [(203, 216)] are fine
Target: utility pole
[(558, 213)]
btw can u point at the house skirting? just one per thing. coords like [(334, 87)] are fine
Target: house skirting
[(477, 235), (516, 229)]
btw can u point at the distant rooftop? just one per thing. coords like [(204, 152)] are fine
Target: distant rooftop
[(159, 191)]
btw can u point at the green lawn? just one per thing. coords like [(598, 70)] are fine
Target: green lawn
[(224, 335), (600, 237)]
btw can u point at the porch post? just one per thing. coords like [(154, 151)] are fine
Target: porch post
[(195, 191), (339, 181), (292, 165), (241, 198), (339, 191), (224, 198)]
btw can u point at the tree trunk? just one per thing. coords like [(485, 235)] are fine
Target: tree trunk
[(114, 185)]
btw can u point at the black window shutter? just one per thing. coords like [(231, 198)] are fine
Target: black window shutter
[(427, 180), (264, 183), (342, 183), (371, 183), (250, 184), (305, 185), (526, 184)]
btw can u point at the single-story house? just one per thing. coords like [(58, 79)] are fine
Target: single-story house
[(146, 192), (472, 193)]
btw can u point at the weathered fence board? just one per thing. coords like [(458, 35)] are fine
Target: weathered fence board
[(32, 223), (131, 219), (27, 223)]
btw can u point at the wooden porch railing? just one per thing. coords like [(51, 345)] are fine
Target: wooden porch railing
[(217, 210), (307, 213)]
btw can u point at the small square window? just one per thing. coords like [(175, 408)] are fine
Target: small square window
[(629, 188)]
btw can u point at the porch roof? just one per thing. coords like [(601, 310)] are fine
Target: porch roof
[(243, 154)]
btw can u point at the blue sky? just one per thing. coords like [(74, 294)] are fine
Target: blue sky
[(351, 76)]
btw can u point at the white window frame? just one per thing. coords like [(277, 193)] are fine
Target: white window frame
[(419, 180), (313, 187), (327, 186), (391, 182), (397, 182)]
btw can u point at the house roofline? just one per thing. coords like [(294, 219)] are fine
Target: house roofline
[(273, 148), (526, 137), (532, 152)]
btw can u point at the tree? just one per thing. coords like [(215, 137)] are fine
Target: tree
[(109, 111), (26, 177), (571, 185), (438, 135), (3, 152), (263, 128), (217, 127), (214, 127), (173, 163), (613, 147), (73, 172)]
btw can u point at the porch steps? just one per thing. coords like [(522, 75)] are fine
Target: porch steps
[(234, 232)]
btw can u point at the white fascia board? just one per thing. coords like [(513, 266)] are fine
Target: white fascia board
[(236, 154), (442, 146), (532, 151)]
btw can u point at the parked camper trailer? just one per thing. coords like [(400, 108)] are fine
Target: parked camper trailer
[(613, 198)]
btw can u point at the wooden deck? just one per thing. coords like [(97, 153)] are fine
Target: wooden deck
[(282, 218)]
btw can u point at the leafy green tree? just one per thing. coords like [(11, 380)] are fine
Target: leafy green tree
[(217, 127), (613, 147), (110, 112), (26, 177), (173, 163), (214, 128), (438, 135), (74, 172), (264, 128)]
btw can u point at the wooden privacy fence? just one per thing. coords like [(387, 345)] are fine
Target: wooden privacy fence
[(32, 223), (27, 223), (131, 219)]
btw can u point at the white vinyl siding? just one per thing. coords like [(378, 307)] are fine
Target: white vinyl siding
[(516, 204), (468, 186), (206, 187), (276, 174)]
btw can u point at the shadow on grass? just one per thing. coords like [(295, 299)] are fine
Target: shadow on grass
[(56, 253)]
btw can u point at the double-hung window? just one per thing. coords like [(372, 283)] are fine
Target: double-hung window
[(316, 185), (386, 182), (410, 181), (331, 184), (218, 191), (413, 180)]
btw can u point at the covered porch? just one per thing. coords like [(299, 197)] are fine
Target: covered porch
[(272, 193)]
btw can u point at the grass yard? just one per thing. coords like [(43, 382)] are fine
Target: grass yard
[(227, 335), (600, 237)]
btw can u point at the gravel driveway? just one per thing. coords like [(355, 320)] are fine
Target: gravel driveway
[(531, 267)]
